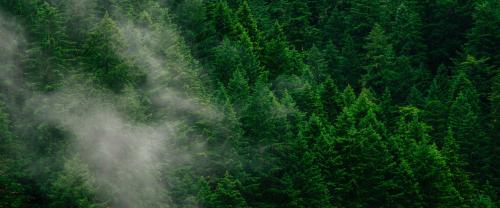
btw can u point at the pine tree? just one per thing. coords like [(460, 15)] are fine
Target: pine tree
[(300, 33), (444, 29), (225, 60), (351, 61), (226, 194), (460, 83), (479, 73), (248, 21), (411, 142), (101, 56), (379, 61), (484, 36), (415, 98), (436, 108), (259, 117), (221, 16), (362, 147), (278, 58), (407, 36), (74, 187), (239, 89), (456, 164), (330, 98), (334, 66), (362, 15), (317, 63), (463, 121), (47, 56), (434, 177), (495, 125), (13, 192)]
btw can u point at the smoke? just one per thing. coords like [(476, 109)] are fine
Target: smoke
[(125, 156)]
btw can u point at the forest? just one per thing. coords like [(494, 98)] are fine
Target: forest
[(249, 103)]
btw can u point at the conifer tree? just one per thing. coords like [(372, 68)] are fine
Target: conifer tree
[(330, 98), (379, 61), (363, 14), (249, 22), (334, 64), (495, 124), (47, 57), (436, 110), (101, 55), (351, 62), (463, 122), (226, 194), (456, 164), (317, 63), (13, 192), (407, 36), (221, 16), (239, 89), (298, 24), (277, 56), (484, 37), (434, 177), (362, 145), (74, 187)]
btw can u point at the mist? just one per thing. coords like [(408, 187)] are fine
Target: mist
[(124, 156)]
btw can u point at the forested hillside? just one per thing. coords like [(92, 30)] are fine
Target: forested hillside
[(249, 103)]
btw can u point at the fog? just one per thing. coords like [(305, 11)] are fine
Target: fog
[(125, 156)]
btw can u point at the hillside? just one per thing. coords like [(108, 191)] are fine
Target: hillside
[(239, 103)]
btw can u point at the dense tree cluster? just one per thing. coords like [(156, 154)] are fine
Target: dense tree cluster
[(360, 103)]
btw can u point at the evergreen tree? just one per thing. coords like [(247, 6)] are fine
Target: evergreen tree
[(317, 63), (463, 122), (300, 33), (334, 62), (13, 192), (249, 22), (495, 126), (379, 61), (221, 17), (434, 177), (47, 57), (456, 164), (362, 15), (262, 122), (444, 29), (407, 36), (330, 98), (484, 36), (239, 89), (362, 148), (74, 187), (436, 108), (101, 55), (225, 195)]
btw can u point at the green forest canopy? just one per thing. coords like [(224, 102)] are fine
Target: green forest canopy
[(238, 103)]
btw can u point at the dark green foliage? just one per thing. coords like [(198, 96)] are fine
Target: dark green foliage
[(12, 191), (287, 103), (407, 34), (225, 195), (101, 56), (47, 58), (73, 187), (484, 37), (277, 56), (379, 61)]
